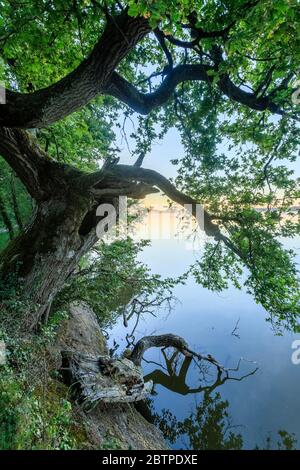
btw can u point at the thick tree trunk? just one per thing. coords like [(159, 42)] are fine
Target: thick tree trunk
[(6, 219), (88, 80), (62, 229), (38, 262)]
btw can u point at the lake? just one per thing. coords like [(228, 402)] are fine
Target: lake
[(229, 326)]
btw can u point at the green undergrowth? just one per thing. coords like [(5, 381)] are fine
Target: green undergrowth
[(35, 408)]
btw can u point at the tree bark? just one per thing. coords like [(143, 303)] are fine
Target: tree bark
[(97, 75), (144, 103), (63, 227), (40, 259), (48, 105), (6, 219)]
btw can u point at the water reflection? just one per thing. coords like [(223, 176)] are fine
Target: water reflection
[(209, 426), (175, 382), (266, 405), (175, 376)]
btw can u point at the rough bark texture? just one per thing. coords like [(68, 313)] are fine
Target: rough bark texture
[(62, 229), (102, 379), (47, 251), (97, 74), (48, 105), (144, 103), (63, 225), (122, 422), (160, 341)]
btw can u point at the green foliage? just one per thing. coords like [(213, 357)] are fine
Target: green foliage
[(4, 237), (217, 268), (82, 139), (271, 277), (111, 443), (112, 280), (31, 418), (208, 427), (14, 201), (39, 44), (287, 441), (251, 195), (35, 410), (236, 161)]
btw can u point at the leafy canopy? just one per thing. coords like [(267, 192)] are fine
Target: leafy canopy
[(234, 159)]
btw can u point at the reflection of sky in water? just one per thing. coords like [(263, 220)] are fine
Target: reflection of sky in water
[(262, 404)]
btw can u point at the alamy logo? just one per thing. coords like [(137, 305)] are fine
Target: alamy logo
[(296, 354), (157, 222)]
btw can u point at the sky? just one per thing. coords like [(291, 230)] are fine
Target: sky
[(162, 152)]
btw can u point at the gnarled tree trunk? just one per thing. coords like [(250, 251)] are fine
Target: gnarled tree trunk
[(63, 226), (46, 252)]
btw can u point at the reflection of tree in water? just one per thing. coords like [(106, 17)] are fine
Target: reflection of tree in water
[(285, 441), (171, 380), (175, 376), (208, 426)]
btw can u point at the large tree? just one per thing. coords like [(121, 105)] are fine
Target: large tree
[(221, 72)]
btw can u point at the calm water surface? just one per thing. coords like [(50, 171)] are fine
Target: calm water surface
[(258, 406)]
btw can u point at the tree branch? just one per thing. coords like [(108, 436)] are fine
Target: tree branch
[(167, 340), (161, 39), (26, 159), (144, 102), (48, 105), (122, 179), (170, 340)]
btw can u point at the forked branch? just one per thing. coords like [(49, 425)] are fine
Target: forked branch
[(143, 103)]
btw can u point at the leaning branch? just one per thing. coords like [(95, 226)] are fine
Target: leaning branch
[(160, 341), (144, 102), (170, 340), (155, 179), (136, 182), (48, 105)]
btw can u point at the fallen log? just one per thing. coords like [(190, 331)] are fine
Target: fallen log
[(104, 379)]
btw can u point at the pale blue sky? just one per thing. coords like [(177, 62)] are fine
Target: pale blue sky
[(168, 148)]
